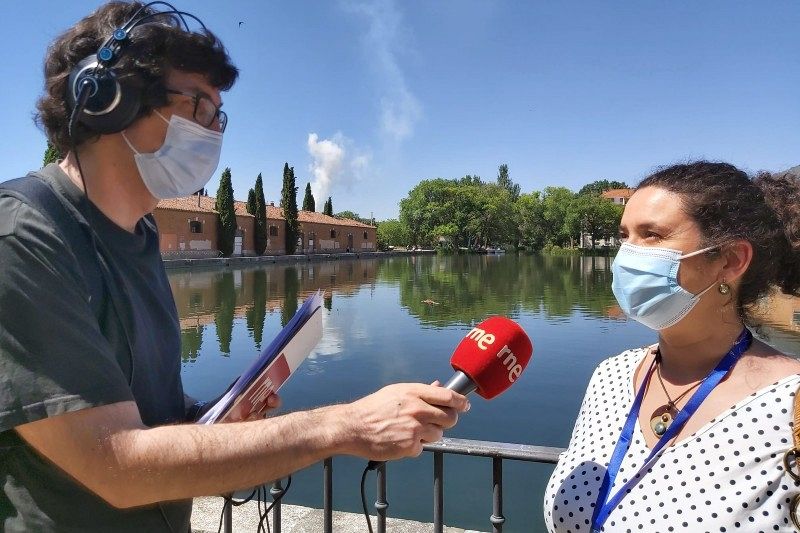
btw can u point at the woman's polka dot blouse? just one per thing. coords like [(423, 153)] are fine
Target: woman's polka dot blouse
[(728, 476)]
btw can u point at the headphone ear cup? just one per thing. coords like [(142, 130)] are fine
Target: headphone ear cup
[(113, 103)]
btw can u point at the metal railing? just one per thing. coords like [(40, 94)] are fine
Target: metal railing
[(498, 451)]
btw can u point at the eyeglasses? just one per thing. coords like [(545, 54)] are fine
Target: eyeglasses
[(205, 111)]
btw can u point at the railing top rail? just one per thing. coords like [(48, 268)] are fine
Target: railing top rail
[(503, 450)]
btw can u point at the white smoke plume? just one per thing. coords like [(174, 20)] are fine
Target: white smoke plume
[(385, 39), (335, 162)]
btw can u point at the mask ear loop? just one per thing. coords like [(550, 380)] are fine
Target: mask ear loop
[(698, 252)]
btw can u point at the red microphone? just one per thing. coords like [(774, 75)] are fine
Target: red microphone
[(490, 358)]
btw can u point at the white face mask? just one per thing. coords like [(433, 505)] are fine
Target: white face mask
[(184, 163)]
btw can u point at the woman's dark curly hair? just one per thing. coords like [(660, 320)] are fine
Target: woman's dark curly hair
[(728, 204), (153, 50)]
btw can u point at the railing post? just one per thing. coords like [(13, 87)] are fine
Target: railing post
[(276, 492), (497, 517), (438, 492), (227, 512), (327, 496), (381, 504)]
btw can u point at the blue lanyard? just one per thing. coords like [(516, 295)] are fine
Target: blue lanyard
[(604, 504)]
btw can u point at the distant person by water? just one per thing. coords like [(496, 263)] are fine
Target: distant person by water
[(96, 433), (689, 434)]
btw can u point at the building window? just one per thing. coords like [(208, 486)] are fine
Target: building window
[(366, 236), (195, 226), (796, 318), (273, 230), (333, 234)]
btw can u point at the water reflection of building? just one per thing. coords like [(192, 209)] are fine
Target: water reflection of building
[(219, 297)]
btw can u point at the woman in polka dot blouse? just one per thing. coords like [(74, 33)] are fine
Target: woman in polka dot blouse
[(689, 434)]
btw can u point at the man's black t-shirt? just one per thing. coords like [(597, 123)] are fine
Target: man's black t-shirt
[(57, 356)]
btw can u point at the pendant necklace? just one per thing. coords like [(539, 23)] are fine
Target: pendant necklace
[(663, 416)]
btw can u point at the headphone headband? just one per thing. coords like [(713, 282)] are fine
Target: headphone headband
[(98, 97)]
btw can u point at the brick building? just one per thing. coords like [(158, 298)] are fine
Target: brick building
[(188, 228)]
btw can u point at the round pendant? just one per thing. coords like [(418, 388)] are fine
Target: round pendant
[(661, 419)]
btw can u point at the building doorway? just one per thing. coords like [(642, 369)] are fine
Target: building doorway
[(237, 242)]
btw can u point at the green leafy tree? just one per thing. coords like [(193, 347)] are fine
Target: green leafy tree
[(530, 220), (556, 203), (227, 214), (308, 200), (251, 202), (504, 181), (51, 154), (289, 205), (392, 232), (594, 215), (600, 186), (328, 209), (353, 216), (463, 212), (261, 217)]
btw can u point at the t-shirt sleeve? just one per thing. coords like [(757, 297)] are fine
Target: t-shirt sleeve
[(53, 356)]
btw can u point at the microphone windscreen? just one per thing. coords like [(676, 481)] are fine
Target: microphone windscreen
[(493, 355)]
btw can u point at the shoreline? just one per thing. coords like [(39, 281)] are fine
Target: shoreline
[(242, 261)]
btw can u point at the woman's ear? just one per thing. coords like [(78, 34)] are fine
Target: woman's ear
[(736, 257)]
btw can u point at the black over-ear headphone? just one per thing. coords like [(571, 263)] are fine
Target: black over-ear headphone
[(99, 98)]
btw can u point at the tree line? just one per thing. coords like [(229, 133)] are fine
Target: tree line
[(465, 212), (471, 213)]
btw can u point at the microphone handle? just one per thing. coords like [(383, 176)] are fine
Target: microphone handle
[(460, 383)]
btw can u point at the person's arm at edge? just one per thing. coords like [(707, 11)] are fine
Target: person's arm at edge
[(114, 455)]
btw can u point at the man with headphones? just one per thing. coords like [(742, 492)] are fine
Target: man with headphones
[(91, 402)]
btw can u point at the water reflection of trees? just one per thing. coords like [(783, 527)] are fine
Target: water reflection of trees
[(462, 289), (438, 291)]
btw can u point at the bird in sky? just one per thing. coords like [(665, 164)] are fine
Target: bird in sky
[(240, 23)]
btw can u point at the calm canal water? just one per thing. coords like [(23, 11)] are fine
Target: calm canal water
[(379, 330)]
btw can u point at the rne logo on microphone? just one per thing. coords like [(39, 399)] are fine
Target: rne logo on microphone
[(483, 340)]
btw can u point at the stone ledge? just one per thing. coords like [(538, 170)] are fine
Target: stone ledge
[(268, 259), (296, 519)]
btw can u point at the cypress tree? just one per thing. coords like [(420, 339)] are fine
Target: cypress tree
[(328, 209), (308, 200), (289, 205), (51, 154), (227, 213), (261, 217), (251, 202)]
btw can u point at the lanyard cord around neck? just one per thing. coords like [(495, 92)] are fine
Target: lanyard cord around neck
[(604, 504)]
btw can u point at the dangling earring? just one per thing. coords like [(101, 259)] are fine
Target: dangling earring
[(723, 287)]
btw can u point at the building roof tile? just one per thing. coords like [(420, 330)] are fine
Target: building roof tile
[(617, 193), (205, 204)]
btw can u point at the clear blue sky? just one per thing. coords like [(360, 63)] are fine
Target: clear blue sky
[(367, 98)]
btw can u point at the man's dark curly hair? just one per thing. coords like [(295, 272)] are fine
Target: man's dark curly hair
[(154, 49)]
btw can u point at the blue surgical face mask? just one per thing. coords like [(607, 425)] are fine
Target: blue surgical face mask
[(646, 285)]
